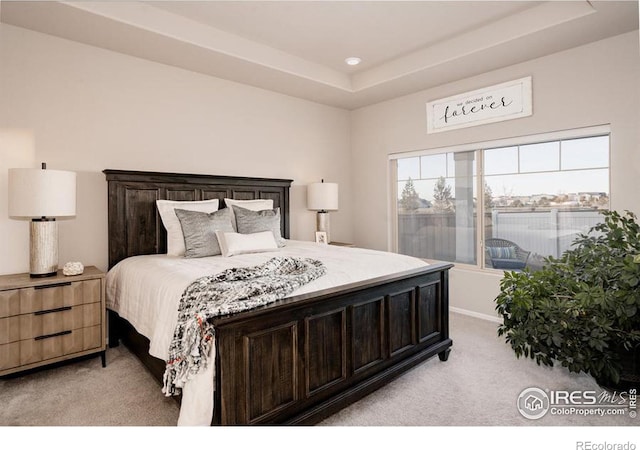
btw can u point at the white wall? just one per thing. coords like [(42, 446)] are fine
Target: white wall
[(86, 109), (589, 85)]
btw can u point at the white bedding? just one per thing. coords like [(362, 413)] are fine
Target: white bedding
[(146, 291)]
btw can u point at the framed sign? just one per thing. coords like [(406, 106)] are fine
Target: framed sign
[(321, 237), (505, 101)]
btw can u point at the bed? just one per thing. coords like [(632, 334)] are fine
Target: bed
[(299, 359)]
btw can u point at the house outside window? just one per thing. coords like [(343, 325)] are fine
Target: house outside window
[(503, 204)]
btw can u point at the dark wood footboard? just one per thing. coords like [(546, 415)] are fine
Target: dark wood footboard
[(305, 359), (302, 359)]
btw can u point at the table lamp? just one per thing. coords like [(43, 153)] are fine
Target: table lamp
[(322, 197), (42, 195)]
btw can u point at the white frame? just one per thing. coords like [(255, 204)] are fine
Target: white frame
[(321, 237), (504, 101)]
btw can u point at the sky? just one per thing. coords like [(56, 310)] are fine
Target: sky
[(559, 167)]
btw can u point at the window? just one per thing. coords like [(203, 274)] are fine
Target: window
[(536, 196), (436, 211)]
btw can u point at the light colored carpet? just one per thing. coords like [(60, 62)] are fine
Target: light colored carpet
[(478, 386), (84, 393)]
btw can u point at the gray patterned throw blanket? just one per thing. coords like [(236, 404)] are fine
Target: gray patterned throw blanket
[(231, 291)]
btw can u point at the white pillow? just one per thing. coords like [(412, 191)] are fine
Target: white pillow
[(253, 205), (175, 238), (238, 244)]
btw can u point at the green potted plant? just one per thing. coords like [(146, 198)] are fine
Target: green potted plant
[(581, 310)]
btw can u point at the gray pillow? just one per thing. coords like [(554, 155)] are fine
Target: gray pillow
[(248, 221), (199, 230)]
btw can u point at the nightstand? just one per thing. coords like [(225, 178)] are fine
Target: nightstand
[(51, 319), (341, 244)]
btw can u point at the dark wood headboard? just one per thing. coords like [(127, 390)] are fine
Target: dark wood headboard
[(135, 227)]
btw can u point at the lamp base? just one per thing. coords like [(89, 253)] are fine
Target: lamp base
[(322, 223), (43, 248)]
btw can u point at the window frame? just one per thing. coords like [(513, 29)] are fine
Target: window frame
[(479, 149)]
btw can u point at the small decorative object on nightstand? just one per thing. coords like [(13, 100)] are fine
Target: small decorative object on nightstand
[(73, 268), (321, 237), (48, 320)]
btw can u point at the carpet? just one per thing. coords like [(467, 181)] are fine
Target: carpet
[(478, 386)]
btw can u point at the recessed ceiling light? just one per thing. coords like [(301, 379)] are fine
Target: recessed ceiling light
[(353, 61)]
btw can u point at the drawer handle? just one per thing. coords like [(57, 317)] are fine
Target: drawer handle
[(47, 336), (46, 286), (47, 311)]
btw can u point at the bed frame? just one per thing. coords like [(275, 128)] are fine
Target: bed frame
[(301, 359)]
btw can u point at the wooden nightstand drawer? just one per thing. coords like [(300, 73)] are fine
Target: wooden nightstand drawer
[(10, 303), (46, 320), (49, 297), (42, 323), (43, 348)]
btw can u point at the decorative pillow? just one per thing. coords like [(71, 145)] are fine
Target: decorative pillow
[(248, 221), (253, 205), (503, 252), (175, 238), (199, 230), (238, 244)]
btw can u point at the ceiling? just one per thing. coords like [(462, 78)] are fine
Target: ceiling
[(299, 47)]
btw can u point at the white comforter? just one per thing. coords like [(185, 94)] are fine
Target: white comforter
[(146, 291)]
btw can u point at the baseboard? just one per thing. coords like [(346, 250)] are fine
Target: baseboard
[(477, 315)]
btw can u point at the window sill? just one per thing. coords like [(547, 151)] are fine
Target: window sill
[(468, 268)]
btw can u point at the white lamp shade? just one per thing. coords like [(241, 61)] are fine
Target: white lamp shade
[(42, 193), (322, 196)]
